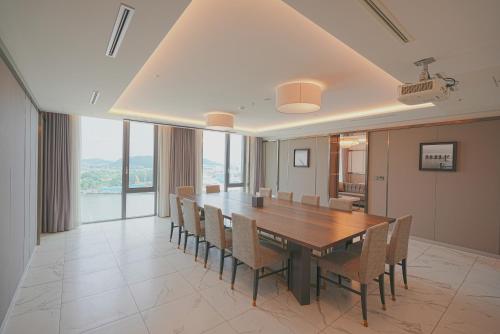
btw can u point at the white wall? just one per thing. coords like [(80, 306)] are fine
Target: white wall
[(299, 180), (18, 184)]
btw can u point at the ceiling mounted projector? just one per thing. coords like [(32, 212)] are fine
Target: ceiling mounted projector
[(427, 89)]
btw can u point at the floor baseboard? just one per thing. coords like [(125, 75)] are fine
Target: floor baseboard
[(459, 248)]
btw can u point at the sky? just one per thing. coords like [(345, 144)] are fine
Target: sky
[(103, 138)]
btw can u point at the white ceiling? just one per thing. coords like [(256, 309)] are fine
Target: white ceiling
[(223, 54), (59, 48)]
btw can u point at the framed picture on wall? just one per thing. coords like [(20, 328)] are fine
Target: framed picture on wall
[(438, 156), (301, 157)]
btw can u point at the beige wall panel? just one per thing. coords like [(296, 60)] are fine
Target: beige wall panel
[(377, 187), (468, 200), (411, 191)]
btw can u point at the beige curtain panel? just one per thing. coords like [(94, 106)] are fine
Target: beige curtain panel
[(56, 179), (164, 145), (182, 158)]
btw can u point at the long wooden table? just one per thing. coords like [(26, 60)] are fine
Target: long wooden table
[(304, 227)]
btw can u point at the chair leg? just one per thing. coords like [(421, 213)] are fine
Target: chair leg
[(405, 278), (255, 286), (364, 290), (288, 273), (233, 273), (185, 240), (221, 264), (197, 244), (180, 235), (207, 248), (391, 280), (171, 230), (381, 289), (318, 281)]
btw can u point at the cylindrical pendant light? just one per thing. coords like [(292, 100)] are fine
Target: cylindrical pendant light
[(298, 97), (219, 120)]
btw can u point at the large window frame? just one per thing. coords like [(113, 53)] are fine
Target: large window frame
[(126, 189), (227, 184)]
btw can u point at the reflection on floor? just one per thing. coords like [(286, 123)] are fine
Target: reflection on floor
[(127, 278)]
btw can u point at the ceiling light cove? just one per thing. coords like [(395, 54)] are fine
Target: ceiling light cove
[(147, 116), (298, 97), (218, 120)]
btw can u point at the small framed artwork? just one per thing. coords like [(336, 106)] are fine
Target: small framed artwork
[(301, 157), (438, 156)]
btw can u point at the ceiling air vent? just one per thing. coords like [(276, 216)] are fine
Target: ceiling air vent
[(94, 96), (120, 28), (387, 18)]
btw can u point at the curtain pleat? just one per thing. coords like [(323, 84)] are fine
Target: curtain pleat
[(257, 164), (182, 158), (56, 208)]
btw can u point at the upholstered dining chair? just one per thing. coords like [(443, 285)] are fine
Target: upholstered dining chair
[(177, 219), (216, 235), (310, 200), (247, 249), (184, 191), (266, 192), (340, 204), (286, 196), (397, 250), (212, 188), (363, 267), (192, 224)]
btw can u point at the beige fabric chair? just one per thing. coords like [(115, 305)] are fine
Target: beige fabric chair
[(285, 196), (192, 224), (212, 188), (310, 200), (397, 250), (266, 192), (248, 250), (177, 219), (363, 267), (216, 235), (340, 204), (184, 191)]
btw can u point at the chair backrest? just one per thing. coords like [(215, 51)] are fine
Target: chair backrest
[(212, 188), (245, 240), (214, 227), (340, 204), (400, 237), (266, 192), (372, 261), (310, 200), (286, 196), (191, 217), (176, 210), (184, 191)]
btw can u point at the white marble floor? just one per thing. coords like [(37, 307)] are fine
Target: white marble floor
[(127, 278)]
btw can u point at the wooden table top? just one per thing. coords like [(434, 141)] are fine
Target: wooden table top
[(317, 228)]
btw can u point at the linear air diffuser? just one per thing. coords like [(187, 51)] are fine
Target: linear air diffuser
[(122, 22)]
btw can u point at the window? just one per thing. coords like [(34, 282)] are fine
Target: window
[(236, 160), (223, 159), (118, 169), (101, 169)]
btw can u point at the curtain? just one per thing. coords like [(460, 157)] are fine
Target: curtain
[(164, 145), (257, 166), (75, 140), (182, 158), (56, 205), (199, 161)]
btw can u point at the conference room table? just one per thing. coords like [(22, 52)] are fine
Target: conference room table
[(305, 227)]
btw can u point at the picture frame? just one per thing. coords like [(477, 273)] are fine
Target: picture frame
[(438, 156), (301, 157)]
